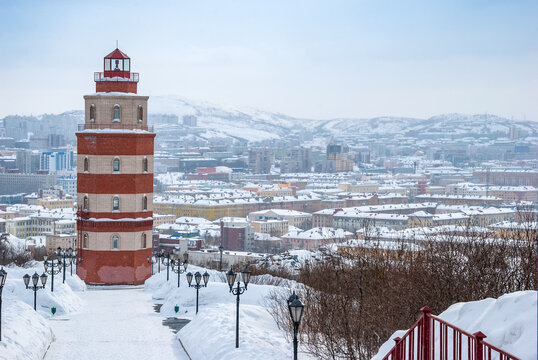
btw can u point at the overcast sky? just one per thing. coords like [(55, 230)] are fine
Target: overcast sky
[(319, 59)]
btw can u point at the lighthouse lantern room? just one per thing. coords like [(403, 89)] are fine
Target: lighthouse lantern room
[(116, 75)]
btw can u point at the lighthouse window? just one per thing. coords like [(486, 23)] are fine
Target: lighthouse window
[(145, 202), (116, 203), (140, 113), (86, 164), (115, 241), (86, 203), (85, 241), (116, 112), (118, 65), (116, 166), (144, 241), (107, 64), (126, 64), (145, 164), (92, 112)]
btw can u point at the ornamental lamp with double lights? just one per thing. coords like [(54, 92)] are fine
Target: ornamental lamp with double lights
[(197, 279), (231, 276), (176, 264), (35, 280)]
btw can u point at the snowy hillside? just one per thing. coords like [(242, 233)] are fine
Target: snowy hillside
[(260, 338), (256, 125), (509, 323), (248, 124)]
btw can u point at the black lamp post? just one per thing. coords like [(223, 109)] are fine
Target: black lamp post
[(165, 259), (221, 249), (76, 260), (68, 254), (158, 255), (176, 265), (3, 277), (34, 286), (230, 277), (296, 308), (52, 268), (197, 286), (151, 261)]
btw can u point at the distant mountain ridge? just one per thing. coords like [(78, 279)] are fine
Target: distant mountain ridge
[(256, 125)]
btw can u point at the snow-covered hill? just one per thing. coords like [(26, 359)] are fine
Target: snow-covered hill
[(254, 125), (257, 125)]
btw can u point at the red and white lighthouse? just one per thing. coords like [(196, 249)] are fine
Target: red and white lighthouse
[(115, 179)]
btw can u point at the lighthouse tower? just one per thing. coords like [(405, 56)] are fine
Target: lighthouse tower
[(115, 179)]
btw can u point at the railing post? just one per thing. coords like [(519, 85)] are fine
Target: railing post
[(426, 331), (478, 350), (397, 349)]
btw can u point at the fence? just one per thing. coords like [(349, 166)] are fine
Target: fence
[(431, 338), (115, 126), (99, 76)]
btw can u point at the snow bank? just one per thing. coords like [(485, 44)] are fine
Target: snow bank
[(509, 322), (26, 334), (259, 338), (63, 297), (214, 326)]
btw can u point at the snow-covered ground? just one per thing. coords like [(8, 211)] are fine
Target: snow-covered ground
[(26, 334), (211, 334), (116, 323), (120, 322), (509, 323)]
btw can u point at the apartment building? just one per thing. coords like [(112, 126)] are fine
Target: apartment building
[(299, 219)]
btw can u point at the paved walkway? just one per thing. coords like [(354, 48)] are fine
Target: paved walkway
[(115, 324)]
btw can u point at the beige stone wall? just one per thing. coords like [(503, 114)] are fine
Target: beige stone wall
[(104, 108), (127, 240), (103, 164), (128, 202)]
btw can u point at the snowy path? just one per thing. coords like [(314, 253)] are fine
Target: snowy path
[(114, 324)]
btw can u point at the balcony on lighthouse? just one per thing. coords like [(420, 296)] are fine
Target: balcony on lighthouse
[(116, 75)]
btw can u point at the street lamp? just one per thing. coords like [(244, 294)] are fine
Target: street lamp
[(66, 254), (34, 286), (197, 278), (52, 268), (3, 236), (74, 260), (176, 265), (165, 259), (296, 308), (3, 277), (230, 277), (152, 262), (158, 255), (221, 249)]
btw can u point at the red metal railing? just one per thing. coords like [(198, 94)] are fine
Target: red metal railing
[(431, 338), (99, 76), (115, 126)]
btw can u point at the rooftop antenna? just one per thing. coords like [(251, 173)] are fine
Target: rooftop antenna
[(116, 44)]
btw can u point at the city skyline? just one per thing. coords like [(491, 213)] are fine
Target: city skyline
[(304, 59)]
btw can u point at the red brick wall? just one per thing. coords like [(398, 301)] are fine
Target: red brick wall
[(115, 144), (116, 86), (114, 267), (114, 183)]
